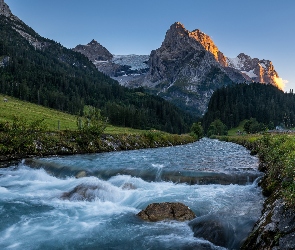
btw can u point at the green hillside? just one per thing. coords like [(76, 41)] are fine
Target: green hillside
[(31, 112)]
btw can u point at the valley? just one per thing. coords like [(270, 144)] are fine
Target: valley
[(89, 138)]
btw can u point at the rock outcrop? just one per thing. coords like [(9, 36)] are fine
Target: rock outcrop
[(275, 228), (166, 211), (19, 27), (209, 45), (123, 68), (5, 11)]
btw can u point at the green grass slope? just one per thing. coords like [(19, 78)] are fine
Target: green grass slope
[(31, 112)]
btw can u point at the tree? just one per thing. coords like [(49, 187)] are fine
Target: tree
[(197, 130), (252, 126), (92, 122), (217, 128)]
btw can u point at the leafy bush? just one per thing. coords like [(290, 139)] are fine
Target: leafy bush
[(217, 128), (197, 130), (252, 126), (92, 122)]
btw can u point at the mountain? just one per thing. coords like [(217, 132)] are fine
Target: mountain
[(94, 51), (123, 68), (42, 71), (185, 72), (254, 69), (188, 68)]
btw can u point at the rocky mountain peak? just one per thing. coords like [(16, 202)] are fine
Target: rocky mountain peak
[(178, 27), (255, 69), (4, 9), (175, 33), (94, 43), (94, 51)]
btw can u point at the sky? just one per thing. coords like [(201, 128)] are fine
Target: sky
[(263, 29)]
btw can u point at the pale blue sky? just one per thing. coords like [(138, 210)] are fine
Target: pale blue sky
[(260, 28)]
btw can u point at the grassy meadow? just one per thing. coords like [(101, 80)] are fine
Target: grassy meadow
[(31, 112), (53, 119)]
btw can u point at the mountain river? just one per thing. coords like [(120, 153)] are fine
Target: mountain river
[(217, 180)]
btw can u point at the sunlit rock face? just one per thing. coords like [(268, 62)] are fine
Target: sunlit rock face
[(255, 70), (187, 69), (209, 45)]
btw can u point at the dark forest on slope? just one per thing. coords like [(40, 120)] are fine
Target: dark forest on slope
[(56, 77), (266, 103)]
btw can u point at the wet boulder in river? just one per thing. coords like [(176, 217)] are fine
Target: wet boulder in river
[(215, 230), (82, 192), (167, 211)]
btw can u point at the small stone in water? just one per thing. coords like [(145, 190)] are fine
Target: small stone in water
[(167, 211)]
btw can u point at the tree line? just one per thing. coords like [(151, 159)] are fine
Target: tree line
[(264, 103)]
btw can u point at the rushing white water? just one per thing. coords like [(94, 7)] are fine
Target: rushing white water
[(34, 216)]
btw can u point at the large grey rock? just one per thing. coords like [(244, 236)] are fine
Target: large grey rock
[(275, 229), (213, 230), (82, 192), (167, 211)]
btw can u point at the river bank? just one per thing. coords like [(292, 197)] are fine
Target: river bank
[(276, 227), (13, 148)]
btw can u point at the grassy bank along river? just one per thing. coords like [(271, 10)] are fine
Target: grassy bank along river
[(276, 227)]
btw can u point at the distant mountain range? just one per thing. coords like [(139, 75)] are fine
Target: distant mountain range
[(186, 69)]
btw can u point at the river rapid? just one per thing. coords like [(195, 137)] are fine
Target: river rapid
[(217, 180)]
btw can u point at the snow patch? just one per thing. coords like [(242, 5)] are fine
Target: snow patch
[(250, 73), (262, 65), (236, 63), (136, 62)]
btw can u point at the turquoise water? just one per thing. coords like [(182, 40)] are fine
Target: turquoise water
[(34, 216)]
